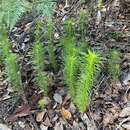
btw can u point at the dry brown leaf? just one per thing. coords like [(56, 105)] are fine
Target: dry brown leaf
[(65, 113), (40, 116), (125, 112), (21, 112)]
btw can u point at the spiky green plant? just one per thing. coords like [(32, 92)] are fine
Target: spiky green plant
[(38, 64), (69, 27), (38, 30), (12, 71), (113, 65), (82, 22), (51, 48), (90, 69), (70, 54), (4, 46), (70, 71)]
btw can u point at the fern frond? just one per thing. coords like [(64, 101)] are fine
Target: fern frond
[(38, 65), (12, 70), (113, 65), (46, 7), (91, 67), (11, 11)]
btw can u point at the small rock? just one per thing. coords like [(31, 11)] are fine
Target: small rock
[(57, 97)]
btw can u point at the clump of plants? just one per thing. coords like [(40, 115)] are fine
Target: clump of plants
[(113, 64), (79, 74), (38, 65), (12, 71), (90, 69)]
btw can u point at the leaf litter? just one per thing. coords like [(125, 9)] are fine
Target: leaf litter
[(110, 102)]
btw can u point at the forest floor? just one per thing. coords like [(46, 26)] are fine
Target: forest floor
[(110, 104)]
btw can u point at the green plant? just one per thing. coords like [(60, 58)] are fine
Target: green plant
[(70, 55), (70, 63), (70, 71), (12, 71), (38, 65), (90, 69), (51, 48), (4, 45), (113, 65), (69, 27), (12, 10), (38, 30), (41, 103), (82, 23)]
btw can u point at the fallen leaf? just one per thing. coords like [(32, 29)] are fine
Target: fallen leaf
[(125, 112), (66, 114), (58, 98), (20, 112), (40, 116)]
